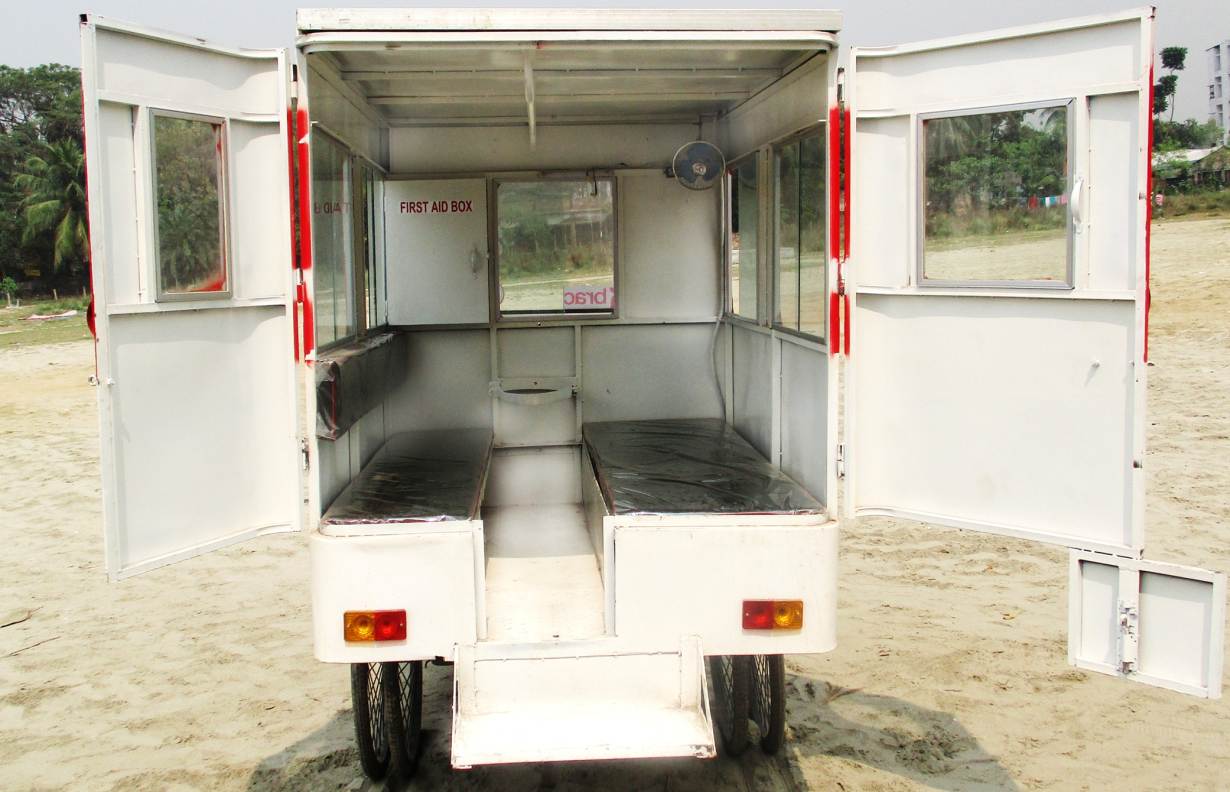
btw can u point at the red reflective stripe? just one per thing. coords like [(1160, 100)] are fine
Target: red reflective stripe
[(1149, 218), (835, 183), (302, 128), (848, 162), (294, 265), (834, 339)]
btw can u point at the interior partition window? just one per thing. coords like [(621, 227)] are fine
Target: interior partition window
[(799, 257), (556, 251)]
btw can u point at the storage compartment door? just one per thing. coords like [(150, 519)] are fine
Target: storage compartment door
[(1161, 624), (190, 237), (998, 270)]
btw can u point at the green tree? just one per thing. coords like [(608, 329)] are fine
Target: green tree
[(54, 202), (1173, 60), (39, 105)]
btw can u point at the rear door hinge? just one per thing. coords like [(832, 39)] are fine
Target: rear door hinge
[(306, 452), (841, 460)]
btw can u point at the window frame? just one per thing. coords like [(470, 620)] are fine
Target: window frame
[(161, 295), (920, 215), (493, 245), (819, 130), (755, 156)]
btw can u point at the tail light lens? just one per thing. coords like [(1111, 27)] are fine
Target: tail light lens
[(365, 626), (772, 614)]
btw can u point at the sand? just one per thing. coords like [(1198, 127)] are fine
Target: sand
[(951, 671)]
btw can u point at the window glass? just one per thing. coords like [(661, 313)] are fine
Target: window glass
[(995, 196), (188, 183), (333, 249), (366, 243), (812, 287), (799, 218), (744, 237), (556, 246)]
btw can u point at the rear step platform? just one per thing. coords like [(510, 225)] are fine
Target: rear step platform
[(563, 700)]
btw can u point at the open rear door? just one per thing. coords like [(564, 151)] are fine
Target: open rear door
[(190, 240), (999, 272)]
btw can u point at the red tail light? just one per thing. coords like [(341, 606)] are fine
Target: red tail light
[(772, 614), (362, 626)]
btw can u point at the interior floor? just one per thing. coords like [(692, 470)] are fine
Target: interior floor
[(543, 580)]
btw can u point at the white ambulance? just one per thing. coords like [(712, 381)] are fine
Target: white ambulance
[(532, 320)]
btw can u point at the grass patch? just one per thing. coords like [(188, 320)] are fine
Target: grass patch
[(1196, 204), (16, 330)]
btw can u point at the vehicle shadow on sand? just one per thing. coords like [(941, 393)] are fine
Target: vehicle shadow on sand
[(831, 732)]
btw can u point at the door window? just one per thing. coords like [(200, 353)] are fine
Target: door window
[(996, 197), (189, 166)]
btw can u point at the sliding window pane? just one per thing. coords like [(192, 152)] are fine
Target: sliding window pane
[(787, 177), (812, 287), (744, 237), (332, 226)]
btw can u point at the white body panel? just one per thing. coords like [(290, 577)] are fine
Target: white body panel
[(690, 575), (183, 470), (1011, 410), (434, 573)]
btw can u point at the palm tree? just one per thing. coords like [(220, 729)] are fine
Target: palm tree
[(54, 185)]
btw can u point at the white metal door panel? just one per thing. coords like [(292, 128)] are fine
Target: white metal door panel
[(1013, 408), (437, 251), (196, 396), (1161, 624)]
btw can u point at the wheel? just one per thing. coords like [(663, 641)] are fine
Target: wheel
[(403, 711), (769, 700), (370, 734), (731, 703)]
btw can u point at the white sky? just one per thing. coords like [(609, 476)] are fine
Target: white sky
[(40, 31)]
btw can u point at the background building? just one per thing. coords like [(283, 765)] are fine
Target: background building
[(1219, 86)]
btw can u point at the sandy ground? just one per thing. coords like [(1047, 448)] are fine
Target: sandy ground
[(950, 674)]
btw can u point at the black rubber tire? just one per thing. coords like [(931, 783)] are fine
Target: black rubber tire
[(731, 700), (403, 709), (769, 700), (370, 732)]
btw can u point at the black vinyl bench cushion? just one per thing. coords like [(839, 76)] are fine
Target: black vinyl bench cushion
[(688, 466), (427, 476)]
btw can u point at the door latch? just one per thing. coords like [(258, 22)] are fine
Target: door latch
[(1129, 639), (307, 454), (841, 460)]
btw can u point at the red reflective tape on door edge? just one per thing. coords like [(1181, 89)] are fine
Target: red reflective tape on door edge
[(835, 185), (302, 128), (294, 265), (848, 163)]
